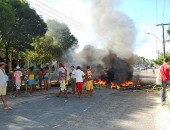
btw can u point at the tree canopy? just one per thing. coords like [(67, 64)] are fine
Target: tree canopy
[(62, 35), (44, 50), (28, 24), (19, 24)]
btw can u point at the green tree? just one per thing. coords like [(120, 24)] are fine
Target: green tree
[(168, 31), (45, 51), (7, 18), (27, 25), (62, 35), (161, 59)]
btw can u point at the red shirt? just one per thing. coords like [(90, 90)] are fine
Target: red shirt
[(165, 73), (40, 74)]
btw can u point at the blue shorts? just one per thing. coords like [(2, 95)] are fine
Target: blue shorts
[(18, 86), (30, 82)]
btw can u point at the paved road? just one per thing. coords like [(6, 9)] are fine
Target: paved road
[(108, 109)]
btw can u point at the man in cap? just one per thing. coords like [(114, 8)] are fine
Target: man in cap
[(3, 85), (18, 81)]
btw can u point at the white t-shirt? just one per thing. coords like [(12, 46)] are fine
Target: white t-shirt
[(79, 75), (3, 82)]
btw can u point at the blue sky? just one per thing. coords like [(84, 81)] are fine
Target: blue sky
[(144, 13)]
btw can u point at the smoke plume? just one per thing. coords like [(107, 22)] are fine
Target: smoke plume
[(116, 32), (115, 28)]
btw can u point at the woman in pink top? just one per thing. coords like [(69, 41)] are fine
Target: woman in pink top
[(164, 72), (18, 81)]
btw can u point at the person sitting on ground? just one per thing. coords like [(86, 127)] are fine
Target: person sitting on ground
[(18, 80), (3, 86)]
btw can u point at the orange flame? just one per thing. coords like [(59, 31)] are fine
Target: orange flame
[(100, 81), (115, 85)]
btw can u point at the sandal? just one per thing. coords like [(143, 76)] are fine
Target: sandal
[(7, 108)]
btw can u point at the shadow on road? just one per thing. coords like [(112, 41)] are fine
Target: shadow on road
[(107, 110)]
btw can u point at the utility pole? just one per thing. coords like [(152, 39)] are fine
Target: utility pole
[(163, 24), (158, 53)]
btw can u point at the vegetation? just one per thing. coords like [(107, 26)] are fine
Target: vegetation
[(161, 59), (23, 33)]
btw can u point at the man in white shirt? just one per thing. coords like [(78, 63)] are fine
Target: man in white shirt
[(3, 85), (79, 80)]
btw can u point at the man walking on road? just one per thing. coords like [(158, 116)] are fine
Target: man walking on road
[(79, 74), (165, 76), (61, 79), (3, 85), (89, 81)]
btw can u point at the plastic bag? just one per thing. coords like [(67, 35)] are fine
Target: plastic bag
[(158, 80)]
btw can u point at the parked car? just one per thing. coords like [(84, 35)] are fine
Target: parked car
[(141, 68)]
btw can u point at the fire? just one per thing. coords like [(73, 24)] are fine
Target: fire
[(115, 85), (100, 81), (127, 83)]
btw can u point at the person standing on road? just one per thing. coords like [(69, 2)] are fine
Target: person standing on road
[(73, 79), (26, 80), (79, 74), (61, 79), (30, 80), (153, 69), (3, 85), (89, 81), (40, 77), (46, 78), (165, 76), (67, 76), (18, 80)]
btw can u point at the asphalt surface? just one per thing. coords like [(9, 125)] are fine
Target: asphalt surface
[(108, 109)]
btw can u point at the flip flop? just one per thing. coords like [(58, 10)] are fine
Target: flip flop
[(8, 108)]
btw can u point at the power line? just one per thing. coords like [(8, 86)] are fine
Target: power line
[(163, 11), (156, 12), (60, 13), (69, 23), (58, 20)]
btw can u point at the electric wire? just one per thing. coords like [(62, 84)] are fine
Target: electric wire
[(60, 18), (60, 13), (164, 2)]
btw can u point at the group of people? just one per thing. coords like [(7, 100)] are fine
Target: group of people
[(29, 77), (77, 79)]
